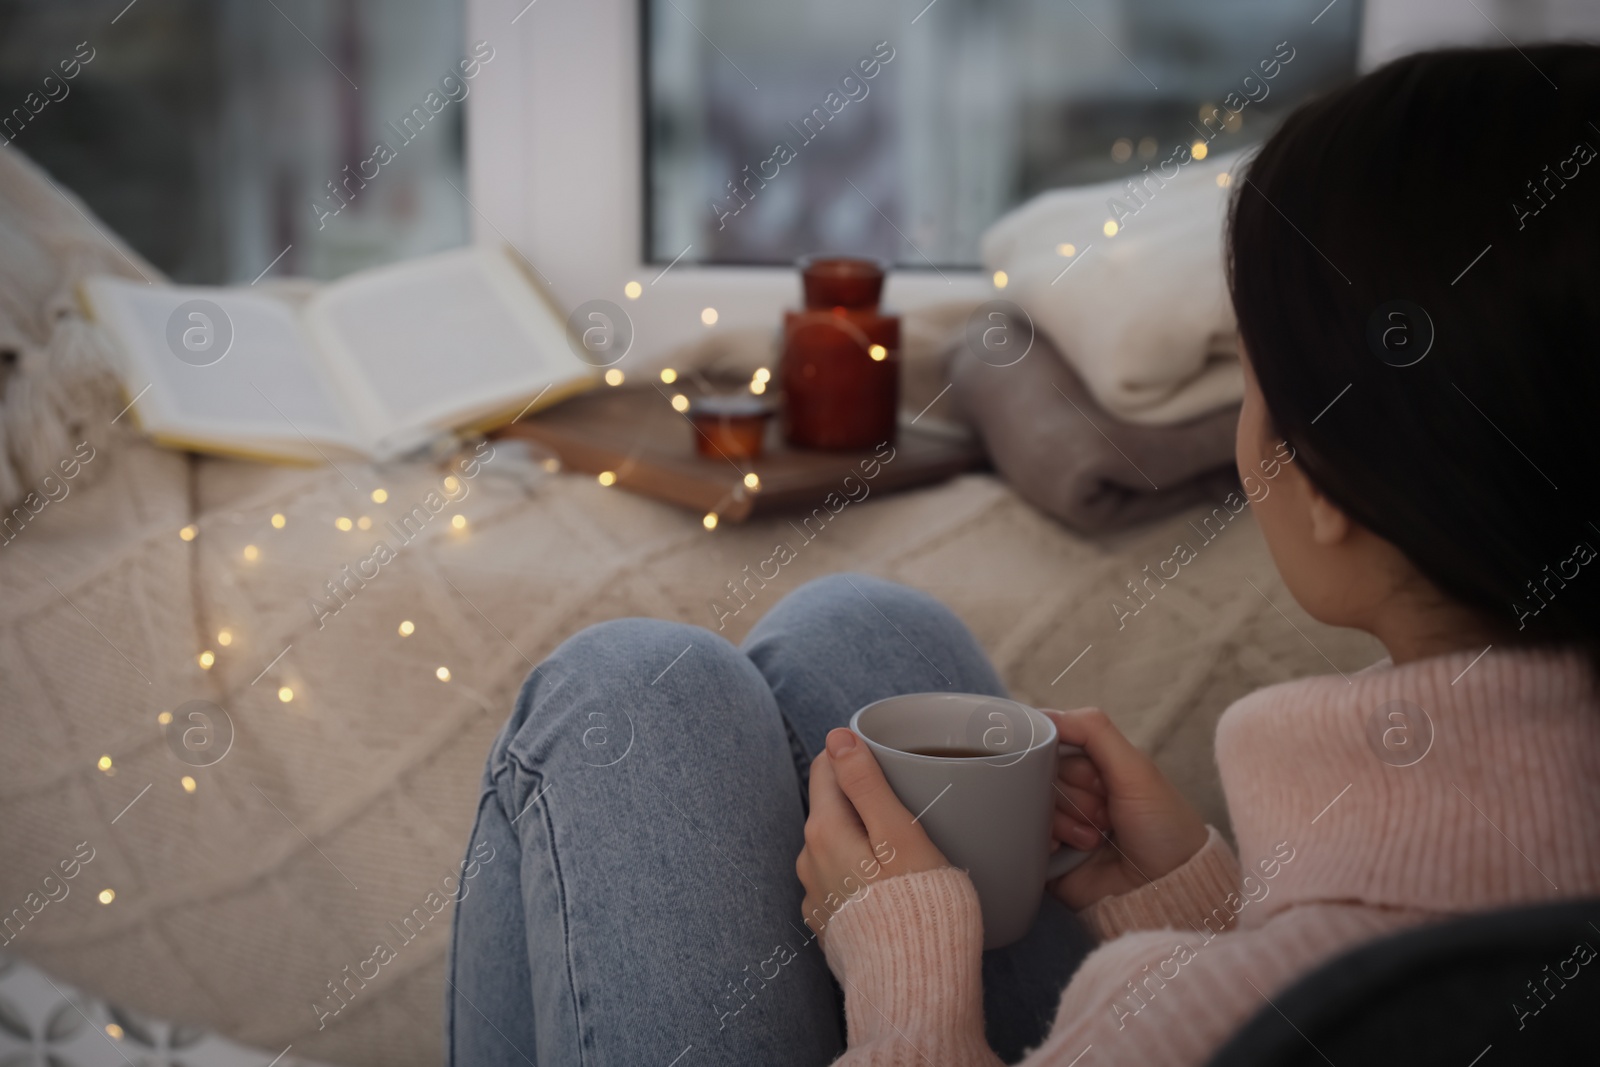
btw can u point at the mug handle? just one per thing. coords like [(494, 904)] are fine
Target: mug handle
[(1064, 859)]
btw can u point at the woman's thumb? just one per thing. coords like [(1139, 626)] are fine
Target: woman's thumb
[(862, 780)]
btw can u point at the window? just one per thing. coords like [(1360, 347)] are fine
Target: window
[(207, 132), (900, 130)]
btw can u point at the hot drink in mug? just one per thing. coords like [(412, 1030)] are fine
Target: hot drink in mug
[(979, 771)]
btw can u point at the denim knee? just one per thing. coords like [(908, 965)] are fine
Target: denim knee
[(852, 638), (851, 596), (589, 700)]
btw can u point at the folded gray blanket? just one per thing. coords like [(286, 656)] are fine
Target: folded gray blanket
[(1063, 453)]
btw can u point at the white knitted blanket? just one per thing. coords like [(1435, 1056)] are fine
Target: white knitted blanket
[(242, 887), (1142, 316), (56, 386)]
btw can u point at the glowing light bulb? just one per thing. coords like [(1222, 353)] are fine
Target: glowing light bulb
[(187, 783), (762, 374), (451, 483), (443, 674), (710, 520), (114, 1031), (188, 532), (1224, 179), (380, 495), (607, 478), (709, 316), (614, 376), (668, 375), (206, 658), (1000, 279), (758, 387), (278, 521), (105, 763), (1067, 250), (878, 353), (680, 402), (752, 480), (1199, 149), (1110, 228), (251, 553), (458, 521), (632, 290), (285, 694), (407, 628), (165, 718), (107, 895), (344, 524), (224, 637)]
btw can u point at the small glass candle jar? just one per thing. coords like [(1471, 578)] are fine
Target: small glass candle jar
[(730, 426)]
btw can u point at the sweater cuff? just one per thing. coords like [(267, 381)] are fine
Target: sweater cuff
[(909, 955), (1186, 896)]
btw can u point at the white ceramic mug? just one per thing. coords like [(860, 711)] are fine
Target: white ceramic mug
[(989, 813)]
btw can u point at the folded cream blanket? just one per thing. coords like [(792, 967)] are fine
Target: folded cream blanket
[(1142, 315)]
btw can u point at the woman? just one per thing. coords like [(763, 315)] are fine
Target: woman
[(1412, 264)]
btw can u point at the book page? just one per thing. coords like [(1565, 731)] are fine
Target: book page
[(265, 387), (438, 342)]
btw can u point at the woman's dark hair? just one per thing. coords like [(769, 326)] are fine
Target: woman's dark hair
[(1414, 260)]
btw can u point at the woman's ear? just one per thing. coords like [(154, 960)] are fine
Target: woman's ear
[(1329, 524)]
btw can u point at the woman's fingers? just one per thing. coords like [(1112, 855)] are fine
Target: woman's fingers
[(1123, 768), (1070, 830), (1082, 805), (1078, 770), (862, 781), (1155, 828), (805, 868), (896, 839), (833, 820)]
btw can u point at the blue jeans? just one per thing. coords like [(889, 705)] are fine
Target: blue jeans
[(630, 878)]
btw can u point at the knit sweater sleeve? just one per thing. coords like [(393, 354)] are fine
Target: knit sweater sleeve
[(909, 956), (1189, 897)]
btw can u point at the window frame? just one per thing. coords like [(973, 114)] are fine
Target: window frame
[(577, 214), (556, 167)]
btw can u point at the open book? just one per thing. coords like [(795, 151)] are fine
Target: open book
[(375, 365)]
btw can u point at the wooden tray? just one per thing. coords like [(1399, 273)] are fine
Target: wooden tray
[(635, 433)]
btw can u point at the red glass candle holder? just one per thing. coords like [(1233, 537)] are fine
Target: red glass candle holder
[(840, 368)]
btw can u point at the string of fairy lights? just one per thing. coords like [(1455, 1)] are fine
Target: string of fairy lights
[(227, 637)]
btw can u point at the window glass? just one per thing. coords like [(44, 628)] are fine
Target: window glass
[(903, 129), (207, 132)]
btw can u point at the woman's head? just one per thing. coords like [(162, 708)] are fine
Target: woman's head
[(1415, 264)]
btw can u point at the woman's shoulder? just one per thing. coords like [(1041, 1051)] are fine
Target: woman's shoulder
[(1315, 690)]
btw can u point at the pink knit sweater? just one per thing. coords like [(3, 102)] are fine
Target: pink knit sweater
[(1340, 847)]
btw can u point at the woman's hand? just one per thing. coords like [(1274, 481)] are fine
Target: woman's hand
[(858, 832), (1113, 795)]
